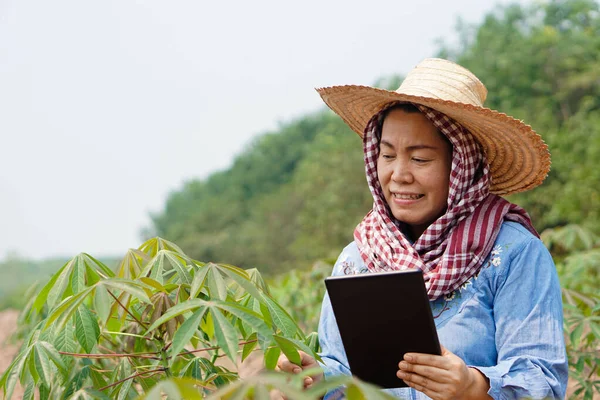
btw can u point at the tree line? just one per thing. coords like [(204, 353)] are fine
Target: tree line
[(295, 195)]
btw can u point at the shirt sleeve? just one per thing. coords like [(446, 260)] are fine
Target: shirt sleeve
[(532, 360)]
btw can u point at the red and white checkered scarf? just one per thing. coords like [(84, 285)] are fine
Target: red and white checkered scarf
[(452, 249)]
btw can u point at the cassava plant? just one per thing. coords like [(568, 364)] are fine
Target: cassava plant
[(161, 325)]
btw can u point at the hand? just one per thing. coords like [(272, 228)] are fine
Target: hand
[(307, 362), (443, 377)]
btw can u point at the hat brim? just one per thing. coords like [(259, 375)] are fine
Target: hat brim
[(518, 157)]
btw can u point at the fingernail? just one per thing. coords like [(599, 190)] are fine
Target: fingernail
[(297, 370), (403, 365), (408, 357)]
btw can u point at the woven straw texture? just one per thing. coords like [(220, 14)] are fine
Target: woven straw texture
[(518, 157)]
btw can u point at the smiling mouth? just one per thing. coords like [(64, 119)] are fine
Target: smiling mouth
[(407, 196)]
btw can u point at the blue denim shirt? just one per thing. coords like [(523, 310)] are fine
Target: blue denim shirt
[(506, 321)]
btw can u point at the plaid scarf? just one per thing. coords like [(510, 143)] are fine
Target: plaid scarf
[(452, 249)]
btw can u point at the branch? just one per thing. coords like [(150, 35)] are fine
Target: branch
[(127, 310), (213, 348), (131, 377), (113, 355)]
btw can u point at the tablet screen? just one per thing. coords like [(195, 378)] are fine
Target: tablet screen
[(380, 317)]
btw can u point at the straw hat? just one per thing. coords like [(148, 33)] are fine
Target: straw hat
[(518, 157)]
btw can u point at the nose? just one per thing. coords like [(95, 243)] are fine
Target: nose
[(402, 173)]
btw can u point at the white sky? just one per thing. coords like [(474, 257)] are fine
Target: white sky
[(106, 106)]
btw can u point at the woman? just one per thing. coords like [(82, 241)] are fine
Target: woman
[(436, 161)]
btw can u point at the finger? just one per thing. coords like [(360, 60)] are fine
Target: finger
[(308, 381), (420, 383), (286, 365), (432, 373), (306, 360), (441, 362)]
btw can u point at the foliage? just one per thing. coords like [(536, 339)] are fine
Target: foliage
[(163, 323), (301, 293), (576, 252)]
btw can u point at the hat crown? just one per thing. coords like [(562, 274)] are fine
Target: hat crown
[(442, 79)]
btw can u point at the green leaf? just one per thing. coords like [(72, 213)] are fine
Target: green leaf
[(53, 355), (288, 348), (64, 311), (124, 390), (102, 302), (127, 285), (76, 382), (281, 318), (576, 334), (65, 341), (215, 282), (154, 284), (253, 319), (43, 366), (78, 275), (42, 297), (227, 337), (87, 330), (185, 333), (271, 357), (179, 265), (248, 347), (176, 310), (198, 282), (29, 391)]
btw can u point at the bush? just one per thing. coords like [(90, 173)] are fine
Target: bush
[(161, 324)]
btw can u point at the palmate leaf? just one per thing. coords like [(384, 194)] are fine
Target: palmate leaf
[(282, 319), (87, 330), (175, 311), (152, 246), (178, 263), (81, 271), (132, 264), (185, 333), (64, 311), (217, 287), (198, 281), (226, 334), (132, 287)]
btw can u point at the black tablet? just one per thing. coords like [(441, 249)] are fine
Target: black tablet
[(381, 316)]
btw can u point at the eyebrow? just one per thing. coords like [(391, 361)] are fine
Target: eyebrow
[(410, 148)]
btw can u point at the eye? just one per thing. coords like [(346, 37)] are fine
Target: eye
[(387, 156), (419, 160)]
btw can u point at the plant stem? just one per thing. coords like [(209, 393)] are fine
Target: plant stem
[(165, 361), (113, 355), (593, 371), (213, 348), (127, 310), (131, 377)]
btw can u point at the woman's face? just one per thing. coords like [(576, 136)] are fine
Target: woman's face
[(414, 169)]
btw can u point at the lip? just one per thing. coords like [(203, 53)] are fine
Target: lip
[(405, 202)]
